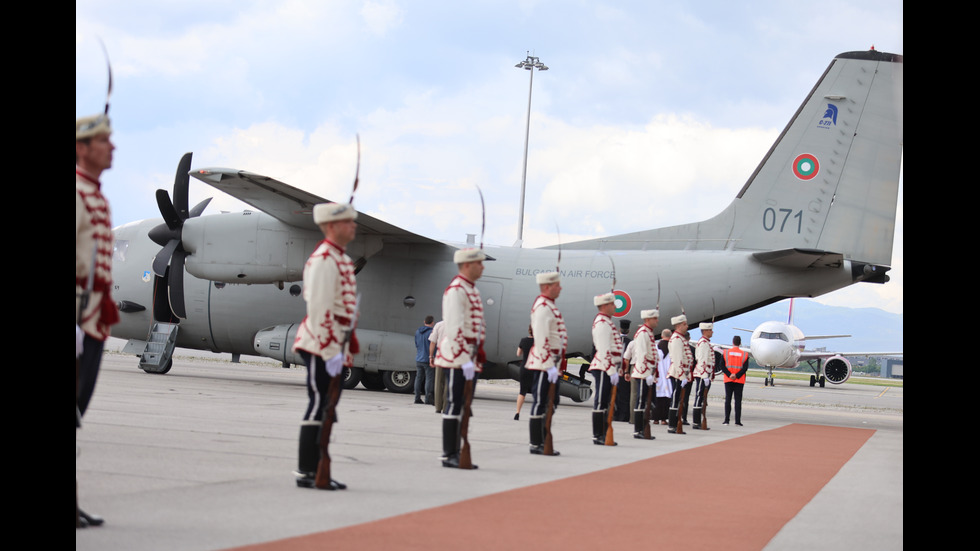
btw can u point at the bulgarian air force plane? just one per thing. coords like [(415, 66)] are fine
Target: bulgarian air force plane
[(776, 344), (818, 214)]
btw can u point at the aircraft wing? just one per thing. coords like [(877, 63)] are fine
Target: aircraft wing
[(291, 205), (814, 355)]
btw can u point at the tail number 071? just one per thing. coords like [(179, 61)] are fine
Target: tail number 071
[(783, 218)]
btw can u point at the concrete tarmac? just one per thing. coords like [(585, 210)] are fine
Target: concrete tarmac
[(201, 458)]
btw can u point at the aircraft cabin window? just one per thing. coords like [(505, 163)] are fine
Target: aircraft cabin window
[(119, 249)]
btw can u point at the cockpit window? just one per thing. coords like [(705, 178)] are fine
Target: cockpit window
[(119, 249), (773, 336)]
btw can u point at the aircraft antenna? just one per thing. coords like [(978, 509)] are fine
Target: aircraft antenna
[(357, 172)]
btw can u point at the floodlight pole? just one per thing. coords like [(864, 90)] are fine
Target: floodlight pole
[(528, 64)]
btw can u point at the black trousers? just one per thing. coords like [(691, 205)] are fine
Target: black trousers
[(733, 390), (88, 372), (317, 386)]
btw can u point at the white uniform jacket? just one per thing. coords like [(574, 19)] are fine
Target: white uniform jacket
[(681, 361), (645, 354), (330, 292), (463, 332), (705, 359), (608, 345), (93, 241), (550, 335)]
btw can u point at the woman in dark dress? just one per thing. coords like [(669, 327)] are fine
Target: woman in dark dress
[(527, 378)]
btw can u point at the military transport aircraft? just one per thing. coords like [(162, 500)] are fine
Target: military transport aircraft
[(777, 344), (817, 214)]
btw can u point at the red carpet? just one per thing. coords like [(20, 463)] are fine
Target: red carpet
[(731, 495)]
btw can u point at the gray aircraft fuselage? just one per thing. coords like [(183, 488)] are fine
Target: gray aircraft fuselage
[(818, 214)]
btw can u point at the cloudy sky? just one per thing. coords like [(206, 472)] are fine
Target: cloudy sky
[(652, 113)]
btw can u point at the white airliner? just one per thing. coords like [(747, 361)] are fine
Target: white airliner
[(776, 344)]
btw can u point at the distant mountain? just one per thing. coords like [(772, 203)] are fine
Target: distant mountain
[(871, 329)]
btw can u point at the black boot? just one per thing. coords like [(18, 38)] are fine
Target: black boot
[(309, 454), (536, 429), (450, 442), (598, 428), (672, 421), (637, 423), (309, 457)]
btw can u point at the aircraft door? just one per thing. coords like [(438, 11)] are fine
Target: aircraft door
[(492, 293)]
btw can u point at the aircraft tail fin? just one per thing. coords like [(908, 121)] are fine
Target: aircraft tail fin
[(828, 187), (830, 182)]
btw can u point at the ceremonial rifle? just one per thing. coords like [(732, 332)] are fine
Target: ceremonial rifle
[(612, 398), (680, 406), (549, 444), (609, 421), (680, 411), (465, 459), (704, 388), (323, 479), (648, 410), (704, 407)]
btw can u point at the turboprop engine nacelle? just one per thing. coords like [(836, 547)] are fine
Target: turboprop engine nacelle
[(837, 369), (277, 343), (246, 247)]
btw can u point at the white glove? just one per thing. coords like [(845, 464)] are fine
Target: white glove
[(683, 383), (335, 365), (614, 378), (79, 340), (469, 370), (552, 374), (707, 382), (650, 380)]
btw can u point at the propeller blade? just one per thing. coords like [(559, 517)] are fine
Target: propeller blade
[(162, 259), (199, 208), (167, 210), (175, 284), (181, 184)]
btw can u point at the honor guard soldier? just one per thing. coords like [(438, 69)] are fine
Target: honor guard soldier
[(460, 352), (547, 356), (704, 372), (95, 311), (646, 362), (606, 362), (681, 364), (322, 339)]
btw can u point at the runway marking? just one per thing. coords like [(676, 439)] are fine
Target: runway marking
[(732, 495)]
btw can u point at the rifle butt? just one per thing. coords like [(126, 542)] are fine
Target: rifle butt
[(609, 420), (465, 457), (549, 444)]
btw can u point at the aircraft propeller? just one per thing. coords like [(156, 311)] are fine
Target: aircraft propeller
[(168, 235)]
